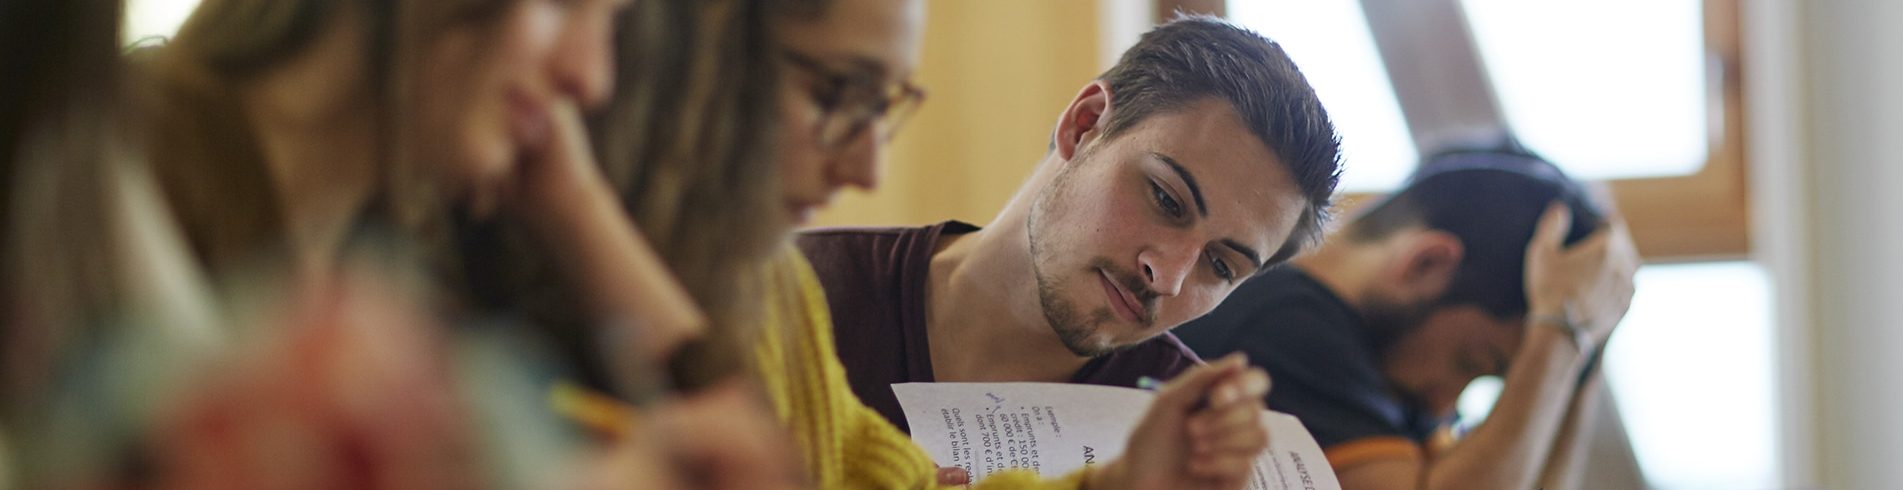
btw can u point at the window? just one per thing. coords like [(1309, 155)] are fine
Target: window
[(1329, 40), (1606, 89), (1645, 94), (1690, 370), (1602, 106)]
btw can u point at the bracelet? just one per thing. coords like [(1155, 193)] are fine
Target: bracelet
[(1581, 341)]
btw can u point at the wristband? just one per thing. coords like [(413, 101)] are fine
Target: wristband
[(1581, 341)]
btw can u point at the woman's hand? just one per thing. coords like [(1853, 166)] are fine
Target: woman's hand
[(723, 437), (1203, 431), (565, 199)]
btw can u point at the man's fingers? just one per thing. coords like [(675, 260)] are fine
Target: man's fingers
[(1597, 245), (1222, 467), (1622, 245), (1255, 383), (1190, 387), (1551, 230), (953, 476), (1250, 383), (1217, 421), (1237, 430)]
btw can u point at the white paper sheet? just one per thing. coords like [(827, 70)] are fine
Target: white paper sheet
[(1055, 428)]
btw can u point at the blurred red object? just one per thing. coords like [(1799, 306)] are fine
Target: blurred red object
[(356, 393)]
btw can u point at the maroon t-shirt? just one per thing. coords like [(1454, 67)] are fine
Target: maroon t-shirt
[(875, 281)]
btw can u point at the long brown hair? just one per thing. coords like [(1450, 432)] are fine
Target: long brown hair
[(85, 253), (686, 142), (692, 153), (59, 142), (204, 151)]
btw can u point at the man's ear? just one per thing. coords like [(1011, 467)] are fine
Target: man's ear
[(1425, 264), (1082, 120)]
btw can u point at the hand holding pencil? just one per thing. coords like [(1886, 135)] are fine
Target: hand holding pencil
[(1203, 431)]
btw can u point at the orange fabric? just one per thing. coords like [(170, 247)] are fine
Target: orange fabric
[(1348, 454)]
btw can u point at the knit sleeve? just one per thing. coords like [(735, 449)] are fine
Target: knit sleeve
[(1024, 479), (844, 442)]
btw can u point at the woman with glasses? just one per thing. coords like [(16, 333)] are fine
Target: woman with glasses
[(837, 93)]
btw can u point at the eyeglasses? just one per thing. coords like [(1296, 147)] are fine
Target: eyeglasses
[(851, 104)]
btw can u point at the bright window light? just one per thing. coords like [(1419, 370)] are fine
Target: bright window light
[(1477, 401), (1329, 40), (1605, 89), (1693, 372), (1691, 369), (155, 18)]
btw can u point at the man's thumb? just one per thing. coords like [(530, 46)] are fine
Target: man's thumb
[(1182, 393)]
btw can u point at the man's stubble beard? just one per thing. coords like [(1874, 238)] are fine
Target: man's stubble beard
[(1387, 323), (1071, 327)]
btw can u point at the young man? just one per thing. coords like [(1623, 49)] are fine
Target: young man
[(1202, 158), (1460, 274)]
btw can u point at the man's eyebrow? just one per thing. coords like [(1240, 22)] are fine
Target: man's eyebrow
[(1195, 191), (1255, 259), (1196, 194)]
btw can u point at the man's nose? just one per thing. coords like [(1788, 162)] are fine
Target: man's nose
[(1166, 268)]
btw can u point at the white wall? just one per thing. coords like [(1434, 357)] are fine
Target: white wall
[(1827, 127), (1855, 131)]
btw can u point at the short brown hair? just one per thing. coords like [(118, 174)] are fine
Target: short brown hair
[(1194, 57)]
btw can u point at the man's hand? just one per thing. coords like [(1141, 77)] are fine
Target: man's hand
[(1589, 282), (1203, 431), (953, 477)]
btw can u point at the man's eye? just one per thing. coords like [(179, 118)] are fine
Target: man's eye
[(1222, 268), (1169, 204)]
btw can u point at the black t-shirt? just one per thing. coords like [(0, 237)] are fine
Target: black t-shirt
[(1320, 353), (875, 282)]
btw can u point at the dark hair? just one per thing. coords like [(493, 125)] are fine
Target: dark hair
[(66, 259), (1491, 199), (60, 57), (687, 144), (1194, 57), (62, 145)]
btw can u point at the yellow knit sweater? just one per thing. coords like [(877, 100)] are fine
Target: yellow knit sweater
[(845, 444)]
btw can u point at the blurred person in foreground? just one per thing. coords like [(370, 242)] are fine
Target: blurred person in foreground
[(284, 134), (89, 260), (1201, 159), (839, 69), (283, 130), (1487, 262)]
